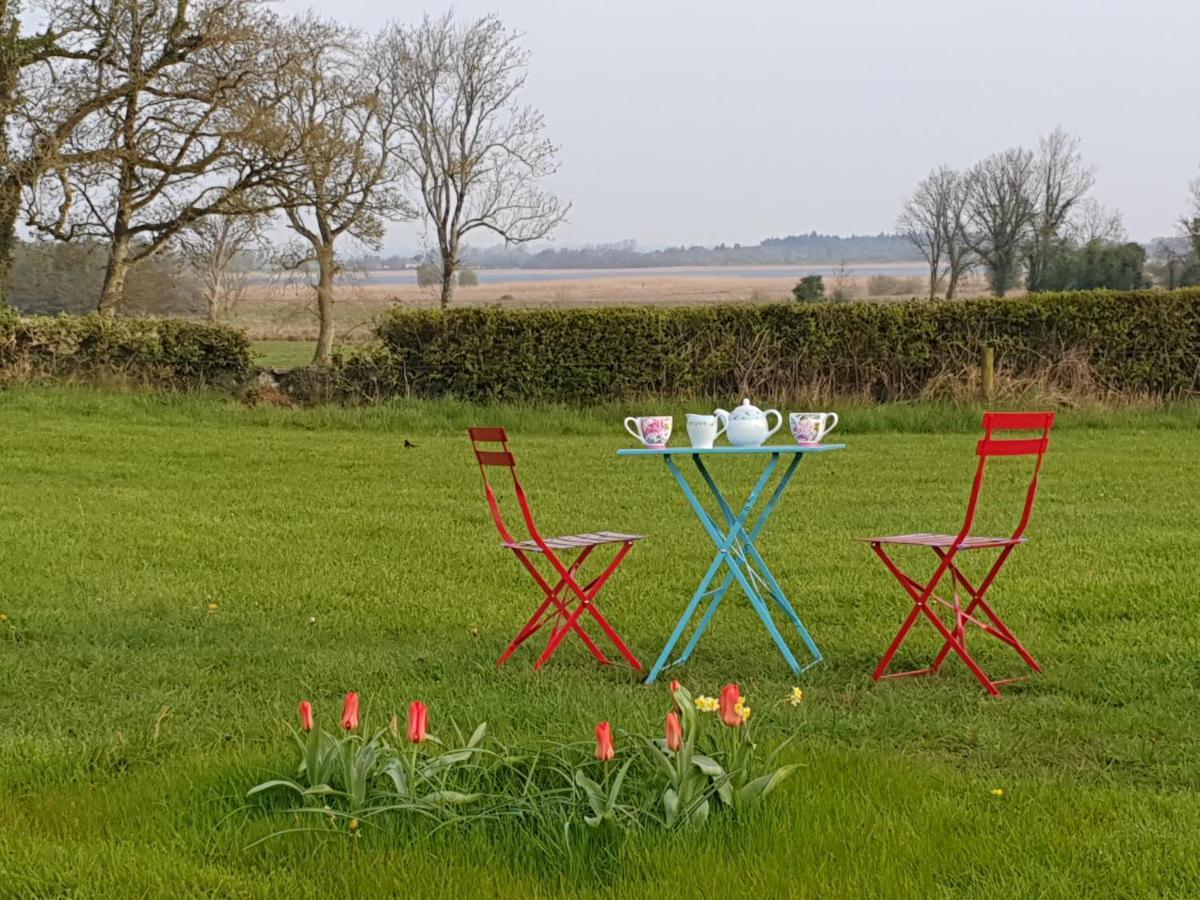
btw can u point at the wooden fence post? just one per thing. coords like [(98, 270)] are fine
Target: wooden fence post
[(988, 373)]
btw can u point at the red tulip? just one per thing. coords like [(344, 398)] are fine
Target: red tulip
[(350, 712), (731, 695), (675, 685), (306, 716), (418, 721), (604, 742), (674, 732)]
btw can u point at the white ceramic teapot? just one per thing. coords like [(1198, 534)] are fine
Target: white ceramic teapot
[(747, 425)]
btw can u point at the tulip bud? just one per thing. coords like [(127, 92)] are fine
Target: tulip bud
[(674, 732), (418, 722), (350, 712), (731, 698), (306, 716), (604, 742)]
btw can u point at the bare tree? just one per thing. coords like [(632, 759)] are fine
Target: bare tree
[(1061, 180), (36, 117), (215, 249), (1190, 223), (934, 220), (175, 148), (1092, 221), (960, 254), (842, 281), (338, 125), (923, 221), (479, 154), (1000, 212)]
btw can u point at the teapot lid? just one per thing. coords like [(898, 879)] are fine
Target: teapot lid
[(746, 410)]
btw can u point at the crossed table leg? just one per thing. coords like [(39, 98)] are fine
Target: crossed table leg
[(737, 553)]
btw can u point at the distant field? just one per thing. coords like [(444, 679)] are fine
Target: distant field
[(286, 311)]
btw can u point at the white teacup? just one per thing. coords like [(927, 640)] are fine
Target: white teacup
[(703, 430), (810, 428), (653, 431)]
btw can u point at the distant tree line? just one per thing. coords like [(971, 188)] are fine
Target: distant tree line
[(791, 250), (1025, 218), (143, 130)]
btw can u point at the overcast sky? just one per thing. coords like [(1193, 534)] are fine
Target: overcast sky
[(703, 121)]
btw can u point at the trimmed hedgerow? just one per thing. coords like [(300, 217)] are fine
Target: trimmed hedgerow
[(1145, 343), (162, 352)]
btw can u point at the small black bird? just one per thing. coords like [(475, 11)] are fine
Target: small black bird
[(409, 445)]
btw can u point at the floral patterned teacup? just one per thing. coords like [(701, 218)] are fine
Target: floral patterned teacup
[(810, 428), (653, 431)]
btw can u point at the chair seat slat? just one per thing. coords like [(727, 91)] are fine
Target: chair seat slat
[(574, 541)]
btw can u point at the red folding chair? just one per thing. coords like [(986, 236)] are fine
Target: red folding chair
[(556, 608), (948, 546)]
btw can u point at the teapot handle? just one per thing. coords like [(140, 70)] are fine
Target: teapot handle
[(778, 420), (723, 418)]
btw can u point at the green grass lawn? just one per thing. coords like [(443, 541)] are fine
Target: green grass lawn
[(133, 718), (283, 354)]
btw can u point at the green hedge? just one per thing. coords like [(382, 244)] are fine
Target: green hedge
[(1145, 343), (164, 352)]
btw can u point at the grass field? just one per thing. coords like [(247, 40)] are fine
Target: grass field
[(133, 717), (283, 354)]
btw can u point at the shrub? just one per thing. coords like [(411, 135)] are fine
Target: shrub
[(468, 278), (809, 289), (163, 352), (1142, 343), (891, 286), (429, 274)]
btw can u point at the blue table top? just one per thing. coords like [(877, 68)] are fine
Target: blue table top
[(695, 451)]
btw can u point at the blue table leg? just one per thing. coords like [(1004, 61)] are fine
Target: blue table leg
[(734, 545), (761, 565), (724, 543)]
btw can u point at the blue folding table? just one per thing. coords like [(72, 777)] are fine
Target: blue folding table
[(736, 550)]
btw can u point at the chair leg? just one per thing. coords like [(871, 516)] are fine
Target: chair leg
[(978, 602), (881, 669), (585, 597), (540, 619), (920, 597)]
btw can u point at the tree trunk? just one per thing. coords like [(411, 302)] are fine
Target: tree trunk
[(448, 267), (113, 290), (324, 306), (10, 205), (212, 299), (934, 266), (952, 282)]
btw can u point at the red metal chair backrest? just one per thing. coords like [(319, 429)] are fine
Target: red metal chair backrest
[(991, 446), (502, 458)]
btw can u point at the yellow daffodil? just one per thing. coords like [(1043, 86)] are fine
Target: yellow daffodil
[(797, 696), (212, 607), (997, 792), (707, 704)]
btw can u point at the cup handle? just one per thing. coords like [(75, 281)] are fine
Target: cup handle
[(722, 421), (635, 430), (778, 421), (828, 428)]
